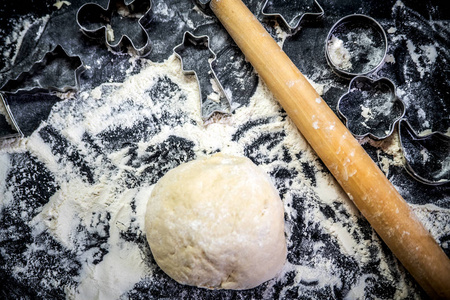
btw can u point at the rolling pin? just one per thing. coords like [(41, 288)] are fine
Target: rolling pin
[(359, 176)]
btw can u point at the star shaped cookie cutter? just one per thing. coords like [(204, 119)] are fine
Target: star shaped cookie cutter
[(119, 17), (51, 73), (284, 8), (55, 72), (198, 59)]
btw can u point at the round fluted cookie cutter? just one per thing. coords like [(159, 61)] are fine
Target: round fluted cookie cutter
[(356, 45), (371, 107)]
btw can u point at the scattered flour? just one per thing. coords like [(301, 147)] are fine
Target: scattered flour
[(436, 220), (423, 58), (339, 55), (13, 42), (392, 30), (109, 33), (77, 203), (390, 59), (390, 146), (58, 4)]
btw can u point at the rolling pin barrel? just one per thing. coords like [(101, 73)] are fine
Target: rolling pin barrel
[(359, 176)]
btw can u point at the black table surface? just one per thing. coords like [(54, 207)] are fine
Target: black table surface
[(424, 86)]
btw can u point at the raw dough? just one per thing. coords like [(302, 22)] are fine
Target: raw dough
[(217, 223)]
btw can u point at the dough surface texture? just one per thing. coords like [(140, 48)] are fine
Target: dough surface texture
[(217, 223)]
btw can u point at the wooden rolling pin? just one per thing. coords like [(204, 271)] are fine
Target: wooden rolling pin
[(355, 171)]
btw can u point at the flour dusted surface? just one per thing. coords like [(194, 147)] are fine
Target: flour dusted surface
[(110, 161), (75, 190)]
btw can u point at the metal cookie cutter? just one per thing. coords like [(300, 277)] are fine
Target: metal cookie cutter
[(198, 59), (8, 125), (371, 107), (427, 157), (356, 45), (56, 71), (290, 12), (121, 18)]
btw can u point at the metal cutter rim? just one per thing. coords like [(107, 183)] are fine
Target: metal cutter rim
[(201, 39), (299, 16)]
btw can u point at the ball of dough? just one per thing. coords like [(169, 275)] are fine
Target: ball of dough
[(217, 223)]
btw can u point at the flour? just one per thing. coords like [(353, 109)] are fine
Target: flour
[(390, 146), (339, 55), (13, 41), (424, 57), (435, 219), (102, 207), (281, 34), (58, 4), (5, 164), (109, 33), (390, 59), (392, 30), (103, 151)]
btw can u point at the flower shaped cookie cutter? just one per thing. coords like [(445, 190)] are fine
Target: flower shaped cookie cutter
[(371, 107), (356, 48), (126, 19)]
